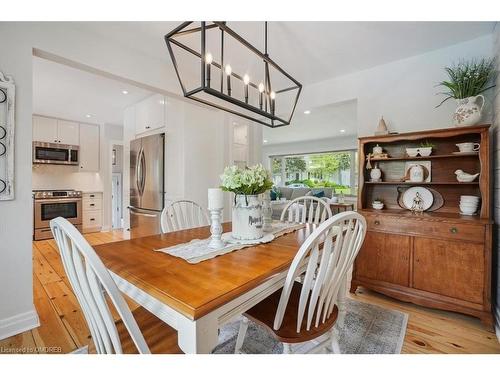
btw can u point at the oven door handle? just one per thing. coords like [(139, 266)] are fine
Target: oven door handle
[(58, 200)]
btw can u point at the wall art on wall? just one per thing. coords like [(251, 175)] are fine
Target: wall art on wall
[(7, 125)]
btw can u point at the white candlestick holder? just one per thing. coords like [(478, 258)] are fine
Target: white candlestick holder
[(216, 229)]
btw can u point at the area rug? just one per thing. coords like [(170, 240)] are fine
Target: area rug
[(368, 329)]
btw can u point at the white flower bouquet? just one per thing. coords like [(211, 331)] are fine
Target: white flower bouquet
[(248, 181)]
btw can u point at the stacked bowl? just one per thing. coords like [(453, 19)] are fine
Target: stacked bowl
[(469, 204)]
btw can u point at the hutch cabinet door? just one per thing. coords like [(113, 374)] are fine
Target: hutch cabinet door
[(451, 268), (384, 257)]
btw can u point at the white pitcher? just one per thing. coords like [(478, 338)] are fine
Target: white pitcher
[(468, 111)]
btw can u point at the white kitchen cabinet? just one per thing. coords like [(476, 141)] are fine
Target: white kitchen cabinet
[(92, 212), (68, 132), (89, 147), (47, 129), (44, 129), (150, 114)]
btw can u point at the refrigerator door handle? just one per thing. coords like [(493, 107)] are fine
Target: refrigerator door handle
[(132, 212), (138, 178), (143, 171)]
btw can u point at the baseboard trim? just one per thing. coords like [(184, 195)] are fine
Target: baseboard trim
[(497, 322), (19, 323)]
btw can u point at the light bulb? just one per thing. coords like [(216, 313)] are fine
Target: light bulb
[(246, 79), (261, 87), (228, 70), (272, 95), (209, 58)]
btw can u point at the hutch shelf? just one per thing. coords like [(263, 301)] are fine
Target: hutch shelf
[(440, 259)]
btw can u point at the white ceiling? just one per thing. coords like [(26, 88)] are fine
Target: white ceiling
[(323, 122), (72, 94), (311, 51)]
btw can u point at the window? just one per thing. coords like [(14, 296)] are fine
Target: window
[(338, 170)]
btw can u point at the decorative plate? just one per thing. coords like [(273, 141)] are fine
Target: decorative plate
[(411, 193), (436, 205), (228, 237)]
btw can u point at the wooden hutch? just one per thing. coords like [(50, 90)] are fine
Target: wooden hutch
[(439, 259)]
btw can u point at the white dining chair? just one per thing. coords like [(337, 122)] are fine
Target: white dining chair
[(307, 311), (306, 209), (91, 282), (183, 214)]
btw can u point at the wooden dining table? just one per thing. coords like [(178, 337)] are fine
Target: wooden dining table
[(197, 299)]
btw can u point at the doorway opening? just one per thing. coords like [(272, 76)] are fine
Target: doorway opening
[(116, 186)]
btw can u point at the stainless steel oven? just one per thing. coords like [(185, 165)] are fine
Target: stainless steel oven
[(55, 153), (49, 204)]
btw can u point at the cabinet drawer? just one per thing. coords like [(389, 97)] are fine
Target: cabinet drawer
[(92, 195), (421, 227), (92, 219), (92, 204)]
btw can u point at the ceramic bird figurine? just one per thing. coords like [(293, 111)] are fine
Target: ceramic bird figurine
[(465, 177)]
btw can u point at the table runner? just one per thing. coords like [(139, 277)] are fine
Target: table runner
[(197, 250)]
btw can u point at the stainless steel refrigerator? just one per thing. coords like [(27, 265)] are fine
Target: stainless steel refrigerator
[(146, 184)]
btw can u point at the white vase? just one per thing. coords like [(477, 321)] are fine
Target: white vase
[(468, 111), (375, 174), (247, 218)]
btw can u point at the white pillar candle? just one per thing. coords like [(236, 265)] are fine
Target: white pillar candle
[(215, 199)]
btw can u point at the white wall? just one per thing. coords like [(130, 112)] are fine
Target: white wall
[(403, 91), (17, 312)]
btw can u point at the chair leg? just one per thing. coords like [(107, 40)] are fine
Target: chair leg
[(342, 303), (287, 348), (334, 335), (241, 335)]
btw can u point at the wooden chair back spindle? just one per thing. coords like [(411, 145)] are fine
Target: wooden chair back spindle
[(183, 214), (89, 279), (306, 209), (325, 268)]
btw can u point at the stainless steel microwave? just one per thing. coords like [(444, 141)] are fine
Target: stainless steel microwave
[(55, 153)]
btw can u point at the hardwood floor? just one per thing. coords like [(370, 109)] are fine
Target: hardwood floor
[(63, 328)]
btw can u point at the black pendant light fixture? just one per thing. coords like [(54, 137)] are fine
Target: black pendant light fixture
[(218, 67)]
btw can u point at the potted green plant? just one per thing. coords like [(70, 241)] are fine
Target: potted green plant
[(467, 80), (425, 148)]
